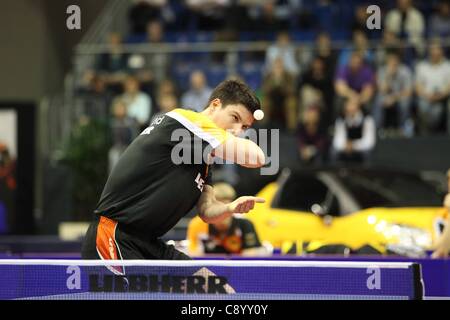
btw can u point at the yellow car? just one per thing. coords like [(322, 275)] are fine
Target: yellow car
[(350, 211)]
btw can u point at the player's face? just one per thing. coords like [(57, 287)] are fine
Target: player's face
[(234, 118)]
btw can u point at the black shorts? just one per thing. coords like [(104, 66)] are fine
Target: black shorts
[(107, 240)]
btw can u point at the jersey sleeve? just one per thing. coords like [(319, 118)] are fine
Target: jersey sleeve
[(201, 126)]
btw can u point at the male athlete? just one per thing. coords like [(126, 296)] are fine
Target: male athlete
[(148, 192)]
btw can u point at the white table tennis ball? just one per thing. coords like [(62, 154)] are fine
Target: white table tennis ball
[(258, 114)]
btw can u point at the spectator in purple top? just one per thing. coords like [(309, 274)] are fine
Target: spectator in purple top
[(356, 80)]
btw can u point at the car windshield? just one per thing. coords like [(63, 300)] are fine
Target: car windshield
[(390, 189), (301, 193)]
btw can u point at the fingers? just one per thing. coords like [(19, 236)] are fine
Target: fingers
[(259, 200), (246, 204)]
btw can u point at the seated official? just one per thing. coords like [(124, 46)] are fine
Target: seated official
[(233, 235)]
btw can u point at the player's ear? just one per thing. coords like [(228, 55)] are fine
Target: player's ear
[(216, 103)]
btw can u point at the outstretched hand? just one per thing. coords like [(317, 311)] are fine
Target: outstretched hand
[(244, 204)]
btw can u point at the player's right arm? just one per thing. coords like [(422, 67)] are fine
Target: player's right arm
[(240, 151)]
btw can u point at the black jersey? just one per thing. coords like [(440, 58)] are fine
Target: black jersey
[(160, 176), (241, 235)]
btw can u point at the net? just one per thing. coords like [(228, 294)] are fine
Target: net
[(207, 280)]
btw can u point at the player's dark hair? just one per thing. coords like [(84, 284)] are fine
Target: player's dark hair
[(235, 92)]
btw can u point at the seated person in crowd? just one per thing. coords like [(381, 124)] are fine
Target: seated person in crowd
[(123, 128), (312, 141), (354, 134), (139, 104), (360, 43), (433, 89), (440, 21), (230, 236), (282, 49), (407, 22), (324, 50), (279, 102), (113, 64), (317, 79), (356, 80), (196, 98), (166, 102), (393, 102)]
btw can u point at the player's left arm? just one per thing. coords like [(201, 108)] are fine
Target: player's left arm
[(240, 151), (211, 210)]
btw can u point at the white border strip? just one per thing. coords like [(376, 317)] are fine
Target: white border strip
[(194, 129), (210, 263)]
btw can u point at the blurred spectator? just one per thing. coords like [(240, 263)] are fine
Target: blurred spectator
[(356, 80), (393, 102), (389, 43), (197, 97), (142, 12), (440, 21), (317, 78), (94, 96), (123, 128), (166, 103), (407, 23), (433, 89), (113, 64), (284, 50), (8, 185), (115, 60), (279, 103), (361, 44), (151, 67), (139, 104), (7, 167), (324, 50), (167, 87), (354, 134), (269, 15), (231, 235), (360, 19), (210, 15), (312, 141)]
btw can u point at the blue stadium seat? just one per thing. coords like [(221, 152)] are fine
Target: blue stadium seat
[(251, 73), (216, 73)]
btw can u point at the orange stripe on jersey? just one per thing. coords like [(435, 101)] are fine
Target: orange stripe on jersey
[(106, 242)]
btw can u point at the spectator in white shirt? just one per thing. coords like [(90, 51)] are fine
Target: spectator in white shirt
[(284, 50), (433, 89), (197, 97), (406, 22), (393, 101), (354, 134), (139, 103)]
